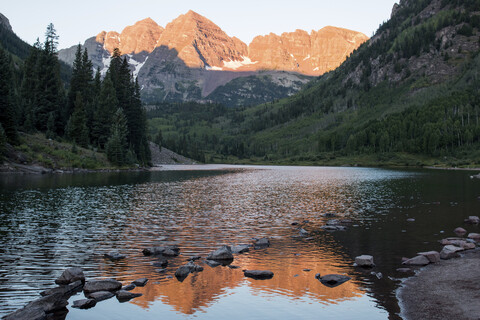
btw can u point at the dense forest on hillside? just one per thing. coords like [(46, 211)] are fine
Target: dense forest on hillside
[(38, 94), (409, 93)]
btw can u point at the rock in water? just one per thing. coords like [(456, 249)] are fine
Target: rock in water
[(262, 243), (332, 280), (449, 252), (460, 230), (100, 295), (241, 248), (65, 289), (124, 296), (364, 261), (432, 256), (212, 263), (472, 220), (474, 236), (71, 275), (171, 251), (84, 303), (33, 313), (114, 256), (102, 285), (129, 287), (140, 282), (417, 261), (258, 274), (223, 253)]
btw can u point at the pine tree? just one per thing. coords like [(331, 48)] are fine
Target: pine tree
[(7, 111), (77, 128), (116, 147), (107, 105), (3, 141)]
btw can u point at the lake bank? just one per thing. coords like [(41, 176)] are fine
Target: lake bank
[(445, 290)]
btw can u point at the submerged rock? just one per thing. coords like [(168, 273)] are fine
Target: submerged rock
[(71, 275), (432, 256), (303, 232), (417, 261), (194, 258), (140, 282), (332, 280), (223, 253), (212, 263), (114, 256), (100, 295), (365, 261), (258, 274), (241, 248), (84, 303), (102, 285), (169, 251), (262, 243), (124, 296), (162, 263)]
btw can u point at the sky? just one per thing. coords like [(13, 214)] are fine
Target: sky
[(75, 21)]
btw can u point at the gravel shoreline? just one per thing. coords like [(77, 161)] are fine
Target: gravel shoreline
[(449, 289)]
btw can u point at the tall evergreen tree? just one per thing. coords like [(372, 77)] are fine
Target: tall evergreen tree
[(77, 128), (7, 111), (116, 147), (107, 105)]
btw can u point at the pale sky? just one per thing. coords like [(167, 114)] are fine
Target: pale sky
[(76, 21)]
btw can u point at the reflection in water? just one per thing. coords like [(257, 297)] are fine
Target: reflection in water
[(49, 223)]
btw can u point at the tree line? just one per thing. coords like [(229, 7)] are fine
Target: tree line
[(91, 111)]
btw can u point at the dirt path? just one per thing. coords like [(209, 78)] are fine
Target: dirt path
[(449, 289)]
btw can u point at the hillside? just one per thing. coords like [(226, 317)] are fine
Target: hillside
[(408, 96)]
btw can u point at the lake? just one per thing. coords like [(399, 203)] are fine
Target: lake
[(51, 222)]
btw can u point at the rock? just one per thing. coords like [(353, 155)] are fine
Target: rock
[(183, 271), (417, 261), (472, 220), (474, 236), (449, 252), (161, 270), (333, 228), (223, 253), (65, 289), (212, 263), (130, 287), (404, 270), (100, 295), (140, 282), (410, 220), (114, 256), (262, 243), (460, 230), (258, 274), (307, 270), (332, 280), (84, 303), (171, 251), (162, 263), (432, 256), (169, 277), (364, 261), (468, 246), (241, 248), (303, 232), (124, 296), (194, 258), (294, 223), (51, 303), (329, 215), (102, 285), (379, 275), (233, 267), (333, 222), (32, 313), (71, 275)]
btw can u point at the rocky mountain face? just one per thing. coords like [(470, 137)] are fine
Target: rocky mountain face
[(4, 22), (191, 57)]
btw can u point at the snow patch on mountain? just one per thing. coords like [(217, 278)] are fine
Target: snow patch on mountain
[(238, 64)]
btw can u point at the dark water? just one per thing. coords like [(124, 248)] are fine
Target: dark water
[(48, 223)]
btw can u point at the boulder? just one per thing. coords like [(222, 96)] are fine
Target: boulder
[(223, 253), (472, 220), (364, 261), (417, 261), (449, 252), (124, 296), (129, 287), (212, 263), (183, 271), (114, 256), (262, 243), (332, 280), (51, 303), (65, 289), (460, 230), (432, 256), (258, 274), (84, 303), (162, 263), (468, 246), (100, 295), (140, 282), (171, 251), (241, 248), (102, 285), (474, 236), (71, 275), (32, 313)]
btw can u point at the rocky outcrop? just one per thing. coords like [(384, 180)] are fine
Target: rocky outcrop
[(5, 23), (71, 275)]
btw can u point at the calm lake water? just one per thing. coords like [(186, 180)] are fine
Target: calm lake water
[(48, 223)]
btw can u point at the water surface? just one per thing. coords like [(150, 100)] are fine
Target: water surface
[(52, 222)]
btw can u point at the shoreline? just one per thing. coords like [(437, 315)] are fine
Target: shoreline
[(448, 289)]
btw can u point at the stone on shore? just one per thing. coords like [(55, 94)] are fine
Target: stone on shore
[(71, 275), (124, 296), (114, 256), (64, 289), (241, 248), (332, 280), (102, 285), (258, 274), (460, 230), (262, 243), (472, 220), (364, 261), (474, 236), (140, 282), (84, 303), (417, 261), (449, 252), (432, 256), (100, 295), (223, 253), (51, 303)]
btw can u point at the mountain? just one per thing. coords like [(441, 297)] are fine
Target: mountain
[(408, 96), (192, 57)]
